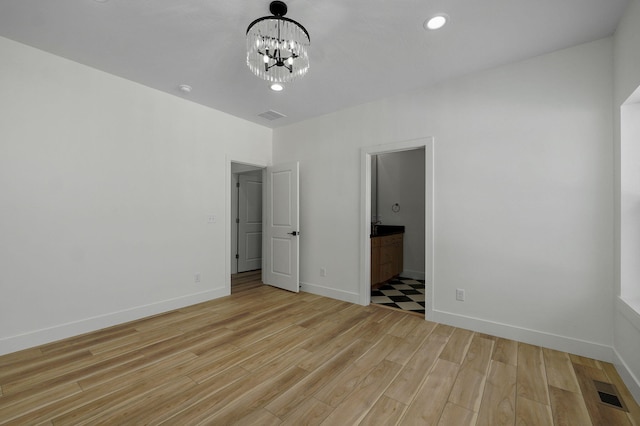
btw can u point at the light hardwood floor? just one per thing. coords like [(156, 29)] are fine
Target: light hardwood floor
[(265, 356)]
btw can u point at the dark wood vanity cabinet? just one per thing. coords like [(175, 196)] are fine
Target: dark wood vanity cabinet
[(386, 257)]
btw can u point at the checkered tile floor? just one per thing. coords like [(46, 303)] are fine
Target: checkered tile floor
[(401, 293)]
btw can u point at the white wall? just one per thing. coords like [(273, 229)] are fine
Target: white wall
[(627, 311), (401, 180), (523, 195), (105, 190)]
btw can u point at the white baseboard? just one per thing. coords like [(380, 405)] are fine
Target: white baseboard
[(629, 379), (63, 331), (628, 310), (416, 275), (333, 293), (547, 340), (533, 337)]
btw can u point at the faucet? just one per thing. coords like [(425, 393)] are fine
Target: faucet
[(374, 227)]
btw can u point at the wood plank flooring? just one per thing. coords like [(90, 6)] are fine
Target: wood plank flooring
[(264, 356)]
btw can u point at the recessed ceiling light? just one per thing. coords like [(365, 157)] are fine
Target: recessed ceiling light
[(277, 87), (436, 22), (185, 88)]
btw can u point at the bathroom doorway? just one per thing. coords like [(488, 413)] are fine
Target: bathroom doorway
[(398, 230), (385, 208)]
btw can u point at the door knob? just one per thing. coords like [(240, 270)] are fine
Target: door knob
[(294, 233)]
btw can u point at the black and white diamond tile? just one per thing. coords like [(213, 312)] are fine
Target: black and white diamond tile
[(401, 293)]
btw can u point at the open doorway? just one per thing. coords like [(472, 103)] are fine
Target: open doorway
[(423, 147), (246, 226), (398, 230), (280, 218), (629, 200)]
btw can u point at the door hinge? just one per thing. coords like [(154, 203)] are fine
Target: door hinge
[(237, 220), (237, 256), (237, 184)]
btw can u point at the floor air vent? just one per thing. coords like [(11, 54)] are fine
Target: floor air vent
[(609, 395)]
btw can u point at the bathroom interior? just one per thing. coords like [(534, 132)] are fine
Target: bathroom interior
[(398, 230)]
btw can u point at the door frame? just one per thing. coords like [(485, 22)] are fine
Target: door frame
[(227, 219), (365, 209)]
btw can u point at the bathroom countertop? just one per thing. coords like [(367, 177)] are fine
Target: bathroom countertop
[(382, 230)]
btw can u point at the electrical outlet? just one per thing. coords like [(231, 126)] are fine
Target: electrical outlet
[(460, 294), (196, 277), (323, 272), (211, 219)]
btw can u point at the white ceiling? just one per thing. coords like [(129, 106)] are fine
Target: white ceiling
[(361, 50)]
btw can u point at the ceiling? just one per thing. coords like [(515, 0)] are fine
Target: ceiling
[(361, 50)]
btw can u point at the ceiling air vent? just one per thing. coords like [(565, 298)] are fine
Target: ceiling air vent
[(271, 115)]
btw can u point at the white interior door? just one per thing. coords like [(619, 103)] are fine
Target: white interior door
[(249, 222), (281, 231)]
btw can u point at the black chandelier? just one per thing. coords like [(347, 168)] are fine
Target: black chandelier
[(277, 46)]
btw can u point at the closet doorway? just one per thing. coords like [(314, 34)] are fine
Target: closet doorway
[(246, 221)]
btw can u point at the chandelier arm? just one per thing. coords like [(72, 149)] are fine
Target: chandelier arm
[(267, 67)]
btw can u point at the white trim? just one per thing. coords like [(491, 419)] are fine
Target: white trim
[(629, 313), (627, 376), (345, 296), (628, 310), (525, 335), (75, 328), (364, 297)]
